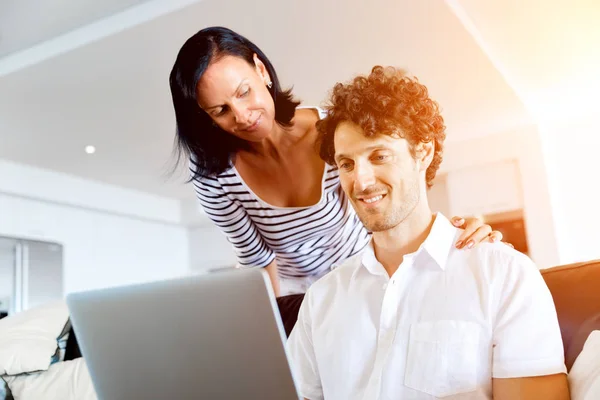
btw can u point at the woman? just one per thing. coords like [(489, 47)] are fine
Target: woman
[(256, 168)]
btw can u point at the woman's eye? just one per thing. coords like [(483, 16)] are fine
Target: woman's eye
[(245, 93), (221, 112), (381, 158)]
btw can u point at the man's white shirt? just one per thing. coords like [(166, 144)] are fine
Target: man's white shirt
[(442, 326)]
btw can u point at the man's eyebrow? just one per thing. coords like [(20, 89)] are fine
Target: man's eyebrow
[(366, 149), (340, 156), (376, 147)]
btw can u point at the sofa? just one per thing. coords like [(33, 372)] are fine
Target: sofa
[(575, 289)]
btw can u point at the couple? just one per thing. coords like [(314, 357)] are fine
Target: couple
[(407, 315), (255, 166)]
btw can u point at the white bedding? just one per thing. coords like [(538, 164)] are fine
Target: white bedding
[(584, 377), (32, 354), (30, 338), (65, 380)]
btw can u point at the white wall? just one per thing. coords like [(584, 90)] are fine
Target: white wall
[(209, 248), (437, 196), (571, 149), (110, 236), (54, 187), (523, 145)]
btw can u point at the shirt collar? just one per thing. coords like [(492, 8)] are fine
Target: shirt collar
[(440, 240), (437, 245), (370, 262)]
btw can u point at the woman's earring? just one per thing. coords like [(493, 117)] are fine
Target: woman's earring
[(270, 84)]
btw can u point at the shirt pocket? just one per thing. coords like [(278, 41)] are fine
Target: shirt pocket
[(443, 357)]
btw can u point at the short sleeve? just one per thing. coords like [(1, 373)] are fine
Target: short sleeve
[(233, 220), (302, 354), (526, 338)]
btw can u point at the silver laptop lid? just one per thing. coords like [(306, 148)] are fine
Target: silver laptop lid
[(214, 336)]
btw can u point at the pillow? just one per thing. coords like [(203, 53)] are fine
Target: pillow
[(67, 380), (30, 339), (584, 377)]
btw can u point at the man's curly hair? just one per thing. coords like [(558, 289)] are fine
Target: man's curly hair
[(389, 102)]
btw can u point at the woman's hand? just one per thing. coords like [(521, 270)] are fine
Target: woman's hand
[(475, 232)]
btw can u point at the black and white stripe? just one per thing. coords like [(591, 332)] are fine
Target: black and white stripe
[(306, 241)]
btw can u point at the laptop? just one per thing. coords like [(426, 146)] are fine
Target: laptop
[(212, 336)]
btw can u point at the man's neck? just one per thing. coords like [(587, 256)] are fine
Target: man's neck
[(392, 245)]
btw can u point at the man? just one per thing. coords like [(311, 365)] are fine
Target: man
[(412, 317)]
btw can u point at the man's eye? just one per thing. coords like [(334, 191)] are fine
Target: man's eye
[(381, 158), (346, 166)]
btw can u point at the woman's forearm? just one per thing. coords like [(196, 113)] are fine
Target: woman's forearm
[(274, 276)]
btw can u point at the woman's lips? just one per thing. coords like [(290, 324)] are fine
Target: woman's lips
[(254, 126)]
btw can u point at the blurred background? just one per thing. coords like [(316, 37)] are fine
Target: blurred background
[(87, 125)]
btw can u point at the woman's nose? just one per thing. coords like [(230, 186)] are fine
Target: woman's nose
[(240, 114)]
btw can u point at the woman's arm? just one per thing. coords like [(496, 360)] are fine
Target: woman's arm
[(274, 276), (233, 220)]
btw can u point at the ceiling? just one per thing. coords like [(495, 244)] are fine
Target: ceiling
[(106, 84), (548, 50), (26, 23)]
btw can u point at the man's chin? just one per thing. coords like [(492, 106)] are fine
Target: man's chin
[(379, 228), (375, 225)]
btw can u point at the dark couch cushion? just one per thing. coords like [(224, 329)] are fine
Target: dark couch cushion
[(575, 289)]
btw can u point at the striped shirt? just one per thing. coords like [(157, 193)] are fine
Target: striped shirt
[(306, 242)]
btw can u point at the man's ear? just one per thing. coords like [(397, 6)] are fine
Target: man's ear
[(261, 69), (425, 153)]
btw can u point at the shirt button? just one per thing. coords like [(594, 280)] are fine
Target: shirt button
[(393, 281), (384, 286)]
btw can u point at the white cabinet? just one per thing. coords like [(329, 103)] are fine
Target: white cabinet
[(485, 189), (31, 274)]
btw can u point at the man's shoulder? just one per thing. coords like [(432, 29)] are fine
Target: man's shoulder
[(338, 277), (496, 262), (501, 253)]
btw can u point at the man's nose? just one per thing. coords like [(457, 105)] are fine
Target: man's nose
[(364, 177)]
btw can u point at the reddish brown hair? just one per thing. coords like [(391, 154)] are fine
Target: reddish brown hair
[(385, 102)]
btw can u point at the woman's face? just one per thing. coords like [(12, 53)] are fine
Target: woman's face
[(235, 95)]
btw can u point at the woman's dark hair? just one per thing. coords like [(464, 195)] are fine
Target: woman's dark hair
[(209, 147)]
